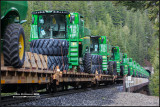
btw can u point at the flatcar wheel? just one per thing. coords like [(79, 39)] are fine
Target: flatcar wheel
[(84, 86), (55, 89), (76, 85), (62, 87), (66, 87), (105, 83), (20, 89), (48, 88), (97, 84)]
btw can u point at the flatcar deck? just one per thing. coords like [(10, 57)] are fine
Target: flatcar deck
[(35, 70)]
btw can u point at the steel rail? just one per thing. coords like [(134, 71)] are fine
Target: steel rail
[(10, 100)]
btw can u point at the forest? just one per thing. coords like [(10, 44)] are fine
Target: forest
[(133, 26)]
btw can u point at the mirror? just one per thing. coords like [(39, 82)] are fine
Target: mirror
[(102, 39), (41, 21), (32, 20), (72, 18)]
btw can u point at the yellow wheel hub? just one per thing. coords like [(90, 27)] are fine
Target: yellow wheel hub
[(21, 47)]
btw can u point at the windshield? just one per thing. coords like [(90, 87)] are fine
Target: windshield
[(94, 45), (52, 26)]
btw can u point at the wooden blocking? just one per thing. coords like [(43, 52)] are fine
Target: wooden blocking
[(38, 61), (44, 63), (32, 60), (64, 71), (26, 64), (2, 60), (53, 68), (45, 58), (57, 69)]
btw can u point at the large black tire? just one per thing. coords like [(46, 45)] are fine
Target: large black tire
[(105, 72), (96, 64), (110, 68), (115, 68), (100, 59), (49, 62), (133, 73), (121, 70), (87, 62), (96, 59), (81, 68), (99, 69), (14, 46), (129, 71), (54, 47), (93, 69), (54, 61)]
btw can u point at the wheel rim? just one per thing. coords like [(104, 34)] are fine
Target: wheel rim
[(21, 47)]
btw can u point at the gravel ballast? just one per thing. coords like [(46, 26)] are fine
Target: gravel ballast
[(111, 96)]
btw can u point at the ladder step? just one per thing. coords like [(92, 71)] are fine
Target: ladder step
[(74, 59), (73, 54), (104, 63), (74, 50)]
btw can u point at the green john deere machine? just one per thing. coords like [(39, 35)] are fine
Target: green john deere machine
[(98, 50), (62, 37), (138, 70), (134, 68), (124, 64), (13, 14), (114, 61), (79, 42), (130, 67)]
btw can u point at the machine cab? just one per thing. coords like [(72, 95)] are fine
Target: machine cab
[(115, 53), (48, 24), (94, 47), (98, 45)]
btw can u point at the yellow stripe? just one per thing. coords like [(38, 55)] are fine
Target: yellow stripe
[(39, 81), (19, 81), (2, 81), (86, 37)]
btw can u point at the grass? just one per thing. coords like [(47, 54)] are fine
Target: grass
[(8, 94)]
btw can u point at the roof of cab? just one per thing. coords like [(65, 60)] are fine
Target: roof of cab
[(50, 12)]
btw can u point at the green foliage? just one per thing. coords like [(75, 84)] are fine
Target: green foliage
[(151, 9), (154, 80), (154, 83)]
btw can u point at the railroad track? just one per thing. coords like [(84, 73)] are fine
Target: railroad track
[(10, 100)]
